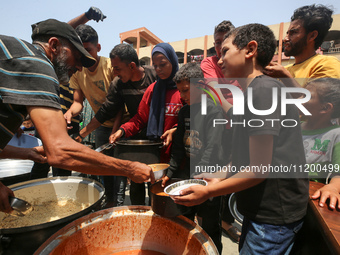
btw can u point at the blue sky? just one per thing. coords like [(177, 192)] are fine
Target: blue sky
[(169, 20)]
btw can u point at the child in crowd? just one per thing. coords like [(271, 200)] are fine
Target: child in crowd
[(198, 144), (273, 208), (158, 109), (321, 138), (161, 102), (213, 74), (28, 127)]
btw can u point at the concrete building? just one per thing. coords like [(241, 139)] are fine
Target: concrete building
[(196, 49)]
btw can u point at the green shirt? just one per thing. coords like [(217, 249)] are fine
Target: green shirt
[(322, 150)]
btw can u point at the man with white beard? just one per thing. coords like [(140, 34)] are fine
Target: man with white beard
[(29, 79)]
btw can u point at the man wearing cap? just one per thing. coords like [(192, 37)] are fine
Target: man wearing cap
[(41, 170), (29, 79)]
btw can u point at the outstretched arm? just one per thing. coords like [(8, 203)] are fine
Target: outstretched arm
[(93, 125), (76, 106), (111, 108), (36, 154), (260, 148), (63, 152), (92, 13)]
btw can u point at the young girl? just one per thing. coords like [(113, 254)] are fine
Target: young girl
[(160, 104), (321, 138)]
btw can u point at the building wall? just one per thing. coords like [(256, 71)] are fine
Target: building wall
[(198, 42)]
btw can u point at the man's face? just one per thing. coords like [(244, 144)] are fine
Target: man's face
[(296, 39), (232, 59), (218, 40), (67, 62), (121, 69)]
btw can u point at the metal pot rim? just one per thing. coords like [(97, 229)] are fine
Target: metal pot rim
[(37, 182), (53, 241), (132, 142)]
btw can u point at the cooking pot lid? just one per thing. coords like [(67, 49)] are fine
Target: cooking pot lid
[(138, 142)]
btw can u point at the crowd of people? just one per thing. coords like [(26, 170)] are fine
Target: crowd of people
[(165, 102)]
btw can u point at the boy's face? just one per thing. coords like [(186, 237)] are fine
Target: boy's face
[(184, 90), (190, 94), (314, 105), (232, 61), (27, 123), (92, 49), (218, 39)]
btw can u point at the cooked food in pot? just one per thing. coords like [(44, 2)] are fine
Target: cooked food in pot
[(44, 211)]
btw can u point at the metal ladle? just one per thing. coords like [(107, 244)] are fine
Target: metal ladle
[(105, 146), (20, 207)]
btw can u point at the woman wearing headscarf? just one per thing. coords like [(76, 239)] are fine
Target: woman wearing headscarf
[(158, 111), (159, 107)]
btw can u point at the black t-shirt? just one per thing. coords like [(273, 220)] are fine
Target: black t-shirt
[(129, 93), (198, 146), (281, 198)]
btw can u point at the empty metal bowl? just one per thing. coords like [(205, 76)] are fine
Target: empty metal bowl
[(159, 170)]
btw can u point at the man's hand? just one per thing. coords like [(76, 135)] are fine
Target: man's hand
[(167, 136), (95, 14), (276, 70), (4, 200), (77, 137), (68, 117), (116, 136), (141, 173), (165, 179), (210, 177), (37, 154), (193, 195), (330, 192)]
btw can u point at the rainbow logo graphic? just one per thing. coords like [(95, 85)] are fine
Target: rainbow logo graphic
[(210, 94)]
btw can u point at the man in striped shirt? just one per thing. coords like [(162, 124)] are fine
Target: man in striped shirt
[(29, 83)]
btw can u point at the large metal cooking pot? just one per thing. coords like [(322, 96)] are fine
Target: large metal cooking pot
[(233, 208), (144, 151), (26, 240), (162, 204), (126, 228), (18, 170)]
